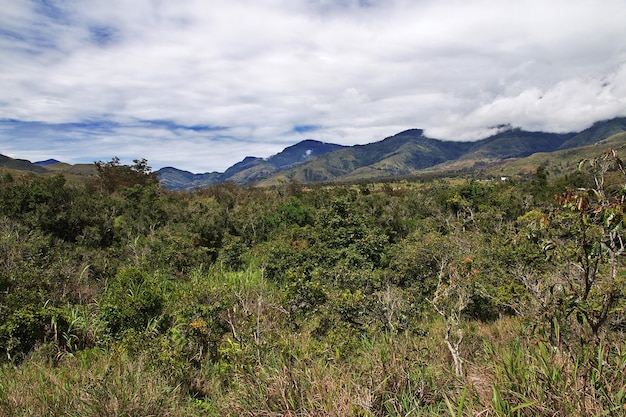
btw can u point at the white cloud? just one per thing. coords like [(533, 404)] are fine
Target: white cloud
[(357, 70), (568, 105)]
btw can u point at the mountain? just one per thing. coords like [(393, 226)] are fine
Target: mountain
[(302, 152), (410, 152), (509, 152), (47, 162), (400, 154), (58, 166), (176, 179), (559, 162), (20, 165), (599, 131), (516, 143), (510, 144), (251, 169)]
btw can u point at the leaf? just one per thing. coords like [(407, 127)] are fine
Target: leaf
[(524, 405), (597, 194)]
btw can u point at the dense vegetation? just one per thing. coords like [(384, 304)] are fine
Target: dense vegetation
[(440, 297)]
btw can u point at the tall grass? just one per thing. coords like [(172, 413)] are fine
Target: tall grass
[(264, 369), (93, 383)]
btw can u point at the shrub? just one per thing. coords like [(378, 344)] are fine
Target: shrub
[(131, 301)]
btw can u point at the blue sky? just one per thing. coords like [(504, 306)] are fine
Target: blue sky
[(200, 84)]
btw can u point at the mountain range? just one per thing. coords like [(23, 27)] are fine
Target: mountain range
[(404, 154), (251, 169)]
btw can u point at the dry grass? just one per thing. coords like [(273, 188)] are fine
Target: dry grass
[(507, 373), (96, 384)]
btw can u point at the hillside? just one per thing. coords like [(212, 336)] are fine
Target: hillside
[(599, 131), (20, 165), (250, 170), (176, 179), (559, 162), (404, 154), (400, 154), (411, 153)]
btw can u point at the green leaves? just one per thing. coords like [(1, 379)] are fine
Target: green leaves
[(131, 301), (28, 327), (113, 176)]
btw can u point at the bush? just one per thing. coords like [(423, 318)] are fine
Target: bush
[(131, 301), (27, 328)]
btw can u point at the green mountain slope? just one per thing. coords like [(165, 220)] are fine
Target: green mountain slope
[(400, 154), (561, 161), (516, 143), (20, 164), (411, 152), (406, 153), (599, 131), (177, 179), (250, 170)]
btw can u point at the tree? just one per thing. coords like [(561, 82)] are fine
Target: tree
[(453, 295), (112, 176), (541, 176), (590, 223)]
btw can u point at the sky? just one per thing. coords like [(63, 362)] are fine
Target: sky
[(201, 84)]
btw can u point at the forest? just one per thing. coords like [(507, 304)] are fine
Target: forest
[(416, 297)]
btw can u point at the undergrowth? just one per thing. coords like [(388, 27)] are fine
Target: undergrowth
[(508, 373)]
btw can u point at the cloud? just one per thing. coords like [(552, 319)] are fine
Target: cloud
[(200, 84), (567, 106)]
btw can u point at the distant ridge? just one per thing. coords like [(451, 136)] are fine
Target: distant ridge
[(597, 132), (250, 169), (20, 165), (407, 153), (47, 162)]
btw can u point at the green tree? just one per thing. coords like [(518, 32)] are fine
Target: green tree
[(541, 176), (113, 176), (589, 227), (457, 281)]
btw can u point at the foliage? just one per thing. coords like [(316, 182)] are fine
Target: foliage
[(121, 298), (113, 176), (589, 245), (131, 301)]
